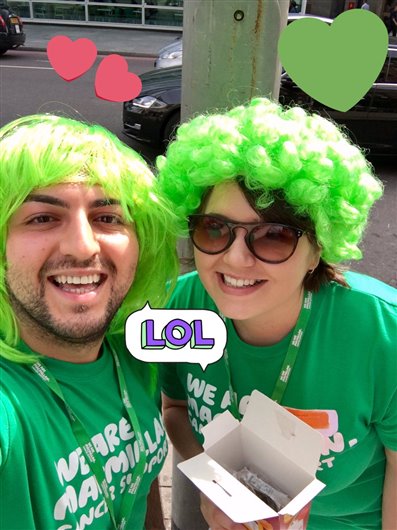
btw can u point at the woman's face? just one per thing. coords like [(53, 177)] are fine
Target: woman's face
[(242, 286)]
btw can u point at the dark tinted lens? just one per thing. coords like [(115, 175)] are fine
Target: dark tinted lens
[(210, 234), (273, 243)]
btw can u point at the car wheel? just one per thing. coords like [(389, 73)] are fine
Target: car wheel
[(2, 52), (171, 127)]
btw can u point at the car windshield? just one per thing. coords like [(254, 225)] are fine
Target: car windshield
[(388, 74)]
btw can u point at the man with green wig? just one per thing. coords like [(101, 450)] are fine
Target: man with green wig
[(86, 239)]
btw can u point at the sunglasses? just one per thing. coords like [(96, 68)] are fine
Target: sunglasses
[(269, 242)]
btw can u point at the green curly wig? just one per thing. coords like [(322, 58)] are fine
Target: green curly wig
[(306, 158), (44, 150)]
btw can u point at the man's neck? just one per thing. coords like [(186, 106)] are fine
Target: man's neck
[(62, 350)]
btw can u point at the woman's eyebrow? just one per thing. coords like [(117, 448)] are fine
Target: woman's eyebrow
[(230, 220)]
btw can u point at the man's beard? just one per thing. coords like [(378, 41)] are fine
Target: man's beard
[(34, 314)]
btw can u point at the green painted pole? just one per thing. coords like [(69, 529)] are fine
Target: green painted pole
[(229, 56), (230, 52)]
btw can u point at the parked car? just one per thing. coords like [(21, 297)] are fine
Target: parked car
[(372, 122), (171, 55), (12, 33), (154, 114)]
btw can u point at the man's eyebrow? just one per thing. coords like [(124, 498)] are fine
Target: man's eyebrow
[(98, 203), (48, 199), (55, 201)]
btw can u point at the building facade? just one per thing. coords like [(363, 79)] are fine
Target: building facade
[(157, 14), (154, 14)]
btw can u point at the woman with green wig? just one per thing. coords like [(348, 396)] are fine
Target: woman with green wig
[(273, 200), (86, 239)]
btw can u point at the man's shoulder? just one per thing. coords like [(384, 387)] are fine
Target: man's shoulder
[(12, 372), (18, 396), (117, 343), (143, 374), (8, 425)]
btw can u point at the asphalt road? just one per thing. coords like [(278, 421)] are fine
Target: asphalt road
[(28, 85)]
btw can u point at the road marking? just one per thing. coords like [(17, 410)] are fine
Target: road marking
[(26, 67)]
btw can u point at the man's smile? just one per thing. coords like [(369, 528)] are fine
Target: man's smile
[(78, 284)]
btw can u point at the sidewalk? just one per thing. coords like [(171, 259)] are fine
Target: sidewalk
[(123, 41), (165, 480)]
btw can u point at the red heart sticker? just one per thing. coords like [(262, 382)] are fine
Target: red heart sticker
[(71, 59), (113, 81)]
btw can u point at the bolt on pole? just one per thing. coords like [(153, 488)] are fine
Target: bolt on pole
[(230, 52)]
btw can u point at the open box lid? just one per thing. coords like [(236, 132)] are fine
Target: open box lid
[(228, 493), (271, 422), (218, 428), (280, 432)]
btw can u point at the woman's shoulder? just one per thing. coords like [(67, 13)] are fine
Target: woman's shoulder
[(190, 293), (368, 287), (365, 294), (188, 278)]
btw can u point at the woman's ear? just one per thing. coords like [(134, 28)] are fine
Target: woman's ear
[(316, 256)]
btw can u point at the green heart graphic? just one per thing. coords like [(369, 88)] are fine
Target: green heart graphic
[(335, 64)]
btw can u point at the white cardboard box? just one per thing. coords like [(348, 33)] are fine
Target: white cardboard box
[(271, 442)]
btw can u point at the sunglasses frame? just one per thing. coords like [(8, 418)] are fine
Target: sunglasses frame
[(248, 227)]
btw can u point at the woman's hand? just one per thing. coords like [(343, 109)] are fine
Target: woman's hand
[(216, 519)]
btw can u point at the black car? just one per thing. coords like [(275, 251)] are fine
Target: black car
[(154, 114), (372, 122), (12, 33)]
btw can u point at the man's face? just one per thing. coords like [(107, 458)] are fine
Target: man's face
[(71, 259)]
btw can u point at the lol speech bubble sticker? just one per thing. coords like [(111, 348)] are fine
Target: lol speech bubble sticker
[(335, 64), (170, 335)]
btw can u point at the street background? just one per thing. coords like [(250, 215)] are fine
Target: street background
[(28, 85)]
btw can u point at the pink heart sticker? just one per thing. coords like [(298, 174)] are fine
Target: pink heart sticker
[(71, 59), (113, 81)]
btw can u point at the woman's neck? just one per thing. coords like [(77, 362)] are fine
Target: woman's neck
[(269, 329)]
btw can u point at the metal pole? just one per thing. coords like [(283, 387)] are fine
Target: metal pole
[(230, 52), (229, 56)]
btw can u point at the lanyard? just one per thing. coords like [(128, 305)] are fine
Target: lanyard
[(89, 450), (289, 360)]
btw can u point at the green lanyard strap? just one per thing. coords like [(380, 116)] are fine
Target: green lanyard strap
[(89, 450), (289, 360)]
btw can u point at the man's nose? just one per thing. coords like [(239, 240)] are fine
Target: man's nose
[(238, 254), (79, 238)]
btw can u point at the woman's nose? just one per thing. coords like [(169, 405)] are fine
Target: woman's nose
[(238, 254)]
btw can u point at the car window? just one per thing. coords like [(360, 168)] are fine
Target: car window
[(388, 74)]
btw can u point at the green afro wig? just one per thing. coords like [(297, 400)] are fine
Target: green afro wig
[(277, 151)]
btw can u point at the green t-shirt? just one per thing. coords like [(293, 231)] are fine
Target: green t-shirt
[(46, 483), (344, 384)]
